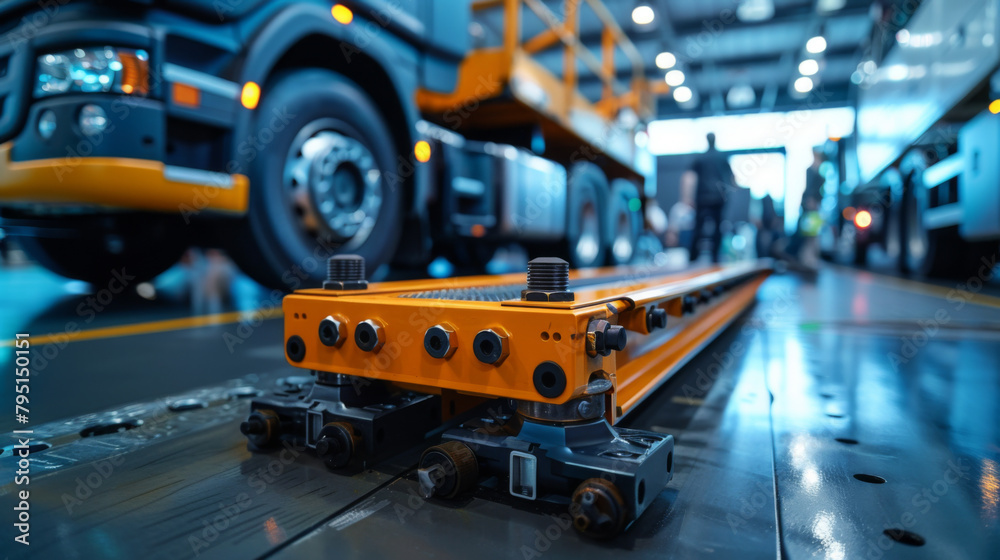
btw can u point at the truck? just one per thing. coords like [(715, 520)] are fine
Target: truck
[(927, 133), (286, 132)]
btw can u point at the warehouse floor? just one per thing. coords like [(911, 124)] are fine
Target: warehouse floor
[(852, 417)]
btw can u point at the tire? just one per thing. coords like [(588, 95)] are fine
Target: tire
[(319, 187), (892, 240), (917, 255), (586, 223), (625, 222), (950, 256), (134, 251)]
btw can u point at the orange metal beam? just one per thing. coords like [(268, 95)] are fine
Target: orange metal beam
[(534, 332)]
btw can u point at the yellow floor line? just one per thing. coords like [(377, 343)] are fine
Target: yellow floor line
[(150, 327), (677, 399)]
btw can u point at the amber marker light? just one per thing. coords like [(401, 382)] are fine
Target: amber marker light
[(863, 219), (342, 14), (422, 151), (251, 95)]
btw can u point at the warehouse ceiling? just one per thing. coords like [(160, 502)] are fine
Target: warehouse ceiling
[(736, 55)]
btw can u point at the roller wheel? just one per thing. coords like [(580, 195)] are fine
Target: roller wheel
[(598, 509), (336, 444), (262, 428), (447, 470)]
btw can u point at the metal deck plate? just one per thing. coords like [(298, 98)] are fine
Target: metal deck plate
[(764, 420)]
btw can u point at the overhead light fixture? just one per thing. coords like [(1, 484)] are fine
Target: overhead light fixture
[(903, 36), (816, 45), (741, 96), (803, 85), (665, 60), (808, 67), (682, 94), (755, 10), (827, 6), (674, 78), (643, 14)]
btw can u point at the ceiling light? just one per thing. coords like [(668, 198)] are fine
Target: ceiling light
[(682, 94), (755, 10), (826, 6), (816, 45), (741, 96), (665, 60), (808, 67), (643, 14), (803, 85), (674, 78)]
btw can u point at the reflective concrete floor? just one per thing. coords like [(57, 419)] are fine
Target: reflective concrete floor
[(856, 416)]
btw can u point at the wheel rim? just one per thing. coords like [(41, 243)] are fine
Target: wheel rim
[(332, 185), (622, 247), (588, 245)]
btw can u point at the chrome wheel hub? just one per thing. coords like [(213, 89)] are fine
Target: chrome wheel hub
[(333, 185)]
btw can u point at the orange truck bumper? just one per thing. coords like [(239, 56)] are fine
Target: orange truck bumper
[(120, 183)]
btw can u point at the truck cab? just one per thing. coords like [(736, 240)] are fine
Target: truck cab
[(282, 131)]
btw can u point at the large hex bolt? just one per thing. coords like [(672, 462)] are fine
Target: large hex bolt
[(603, 337), (490, 346), (687, 304), (656, 318), (440, 341), (345, 272), (332, 331), (548, 280), (369, 335)]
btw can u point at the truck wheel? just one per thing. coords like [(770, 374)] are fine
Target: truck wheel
[(85, 253), (625, 221), (320, 186), (917, 254), (586, 221)]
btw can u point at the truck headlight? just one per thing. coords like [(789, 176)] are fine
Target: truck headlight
[(93, 69)]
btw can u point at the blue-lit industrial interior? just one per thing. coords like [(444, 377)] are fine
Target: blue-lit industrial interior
[(534, 278)]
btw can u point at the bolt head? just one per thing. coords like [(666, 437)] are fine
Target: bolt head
[(440, 341), (535, 295), (370, 335), (332, 331), (491, 346)]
